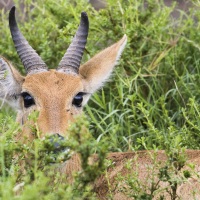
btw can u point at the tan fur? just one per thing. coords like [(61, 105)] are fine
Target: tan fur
[(53, 93), (147, 165)]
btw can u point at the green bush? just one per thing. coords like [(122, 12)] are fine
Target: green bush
[(152, 100)]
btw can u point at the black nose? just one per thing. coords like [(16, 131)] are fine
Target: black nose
[(56, 140)]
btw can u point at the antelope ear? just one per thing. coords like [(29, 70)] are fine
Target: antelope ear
[(98, 69), (10, 83)]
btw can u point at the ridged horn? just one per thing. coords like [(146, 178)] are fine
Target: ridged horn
[(70, 62), (30, 59)]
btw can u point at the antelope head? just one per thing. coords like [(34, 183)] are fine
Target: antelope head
[(60, 94)]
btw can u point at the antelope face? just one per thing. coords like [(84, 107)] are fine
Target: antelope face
[(57, 95)]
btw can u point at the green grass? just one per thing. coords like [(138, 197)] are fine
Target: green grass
[(151, 101)]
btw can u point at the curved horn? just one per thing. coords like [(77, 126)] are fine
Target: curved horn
[(70, 62), (30, 59)]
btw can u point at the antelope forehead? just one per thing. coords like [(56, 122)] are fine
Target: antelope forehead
[(53, 83)]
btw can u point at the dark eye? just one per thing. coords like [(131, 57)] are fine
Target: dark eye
[(28, 99), (77, 101)]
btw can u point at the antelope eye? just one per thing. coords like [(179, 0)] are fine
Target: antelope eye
[(77, 101), (28, 99)]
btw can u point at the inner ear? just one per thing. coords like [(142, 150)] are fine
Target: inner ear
[(99, 68), (10, 83)]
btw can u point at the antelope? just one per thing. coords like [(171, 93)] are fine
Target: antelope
[(60, 94)]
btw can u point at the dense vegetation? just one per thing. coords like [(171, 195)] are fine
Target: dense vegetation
[(151, 102)]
